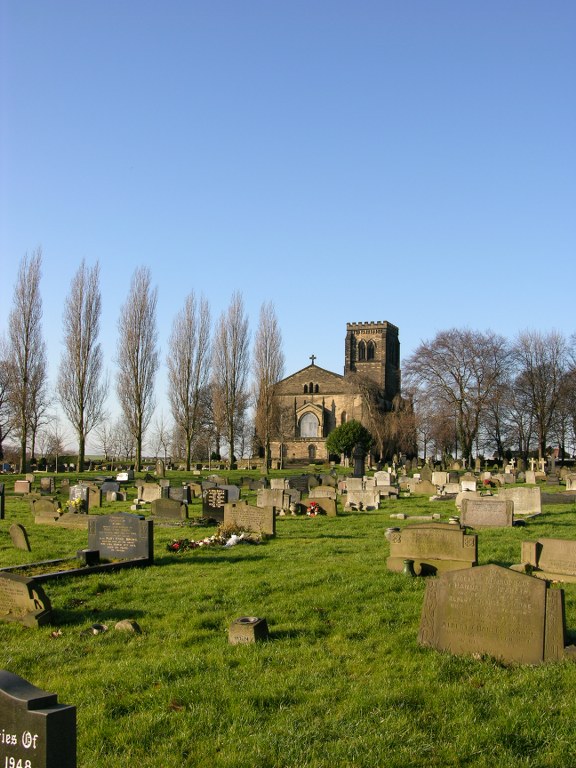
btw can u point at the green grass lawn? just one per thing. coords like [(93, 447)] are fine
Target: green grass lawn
[(342, 680)]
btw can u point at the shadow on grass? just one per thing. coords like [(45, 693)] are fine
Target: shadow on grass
[(70, 617), (199, 556)]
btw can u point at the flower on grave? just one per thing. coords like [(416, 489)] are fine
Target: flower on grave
[(226, 536), (76, 504), (314, 509)]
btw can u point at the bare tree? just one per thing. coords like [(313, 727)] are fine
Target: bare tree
[(230, 364), (80, 387), (27, 351), (541, 361), (460, 369), (161, 437), (138, 357), (6, 409), (268, 363), (188, 364)]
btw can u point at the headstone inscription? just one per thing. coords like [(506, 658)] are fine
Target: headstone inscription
[(37, 732), (485, 512), (122, 537), (19, 537), (213, 500), (495, 611), (433, 547), (23, 600), (254, 519)]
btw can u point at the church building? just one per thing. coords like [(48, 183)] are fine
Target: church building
[(313, 401)]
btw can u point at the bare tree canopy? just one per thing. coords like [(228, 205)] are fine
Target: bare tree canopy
[(6, 406), (541, 361), (80, 387), (230, 363), (268, 365), (138, 356), (460, 370), (27, 350), (188, 364)]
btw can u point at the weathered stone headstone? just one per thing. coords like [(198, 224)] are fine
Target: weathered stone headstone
[(527, 501), (77, 493), (45, 510), (160, 468), (489, 512), (254, 519), (466, 484), (278, 483), (94, 496), (248, 629), (434, 547), (274, 497), (354, 484), (24, 601), (125, 477), (322, 492), (121, 537), (369, 499), (149, 492), (300, 482), (47, 485), (424, 487), (22, 486), (327, 505), (213, 500), (383, 478), (495, 611), (439, 478), (37, 732), (553, 559), (426, 473), (180, 493), (110, 486), (169, 509), (19, 537)]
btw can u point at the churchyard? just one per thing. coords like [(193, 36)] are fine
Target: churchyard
[(349, 671)]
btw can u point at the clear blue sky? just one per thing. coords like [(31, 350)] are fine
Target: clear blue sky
[(410, 161)]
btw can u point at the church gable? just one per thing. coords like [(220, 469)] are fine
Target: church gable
[(312, 380)]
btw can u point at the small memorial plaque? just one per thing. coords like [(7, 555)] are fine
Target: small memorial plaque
[(36, 731)]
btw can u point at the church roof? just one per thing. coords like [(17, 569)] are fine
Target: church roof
[(328, 380)]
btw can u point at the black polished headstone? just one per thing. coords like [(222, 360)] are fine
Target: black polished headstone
[(121, 537), (37, 732)]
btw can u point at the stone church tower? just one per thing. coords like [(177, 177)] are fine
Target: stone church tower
[(313, 401)]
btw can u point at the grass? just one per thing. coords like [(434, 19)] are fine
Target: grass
[(341, 682)]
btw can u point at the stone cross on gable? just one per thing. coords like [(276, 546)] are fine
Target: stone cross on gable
[(312, 357)]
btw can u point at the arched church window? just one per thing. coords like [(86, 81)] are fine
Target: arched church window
[(309, 425), (361, 351), (305, 389), (316, 388), (311, 452), (370, 350), (311, 388), (343, 417)]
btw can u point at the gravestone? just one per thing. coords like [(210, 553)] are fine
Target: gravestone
[(383, 478), (273, 497), (65, 485), (278, 483), (213, 500), (19, 537), (322, 492), (169, 509), (23, 600), (182, 494), (354, 484), (37, 732), (369, 499), (45, 510), (495, 611), (434, 547), (110, 486), (439, 478), (149, 492), (570, 482), (254, 519), (553, 559), (79, 492), (467, 484), (47, 485), (22, 486), (527, 501), (426, 473), (327, 505), (423, 487), (125, 477), (487, 512), (217, 479), (160, 468), (94, 496), (358, 457), (1, 501), (121, 537), (329, 480), (300, 482)]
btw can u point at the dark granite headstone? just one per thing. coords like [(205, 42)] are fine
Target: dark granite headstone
[(121, 537), (110, 486), (182, 493), (19, 537), (495, 611), (213, 500), (37, 732), (23, 600)]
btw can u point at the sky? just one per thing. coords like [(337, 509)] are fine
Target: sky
[(410, 160)]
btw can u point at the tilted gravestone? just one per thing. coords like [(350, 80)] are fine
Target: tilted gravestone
[(553, 559), (37, 732), (23, 600), (495, 611), (121, 537), (254, 519), (433, 547), (487, 512), (19, 537)]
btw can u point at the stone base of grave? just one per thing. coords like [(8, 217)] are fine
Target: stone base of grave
[(248, 629), (427, 567)]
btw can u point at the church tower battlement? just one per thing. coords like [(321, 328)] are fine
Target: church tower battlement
[(372, 349)]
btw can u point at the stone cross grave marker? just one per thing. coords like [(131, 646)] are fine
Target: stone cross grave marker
[(495, 611), (37, 732), (24, 601)]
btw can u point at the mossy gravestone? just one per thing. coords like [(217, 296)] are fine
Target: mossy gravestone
[(434, 547), (35, 731), (23, 600), (495, 611)]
